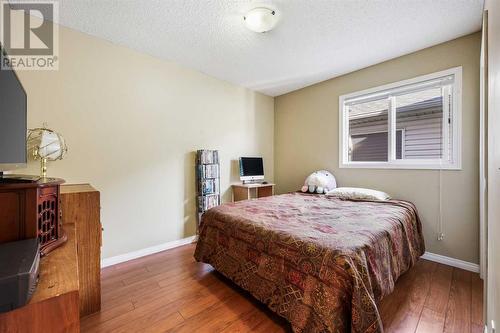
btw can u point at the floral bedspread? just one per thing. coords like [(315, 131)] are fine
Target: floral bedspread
[(320, 262)]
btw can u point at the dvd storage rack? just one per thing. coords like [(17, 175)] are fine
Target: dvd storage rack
[(207, 180)]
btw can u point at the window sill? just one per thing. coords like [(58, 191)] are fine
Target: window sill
[(405, 166)]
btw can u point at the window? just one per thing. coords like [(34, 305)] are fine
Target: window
[(412, 124), (373, 146)]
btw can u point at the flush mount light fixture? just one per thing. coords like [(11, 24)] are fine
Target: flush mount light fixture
[(260, 19)]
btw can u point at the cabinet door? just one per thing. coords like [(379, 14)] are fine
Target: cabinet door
[(10, 216), (47, 216)]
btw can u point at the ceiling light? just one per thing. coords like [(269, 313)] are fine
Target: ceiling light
[(260, 19)]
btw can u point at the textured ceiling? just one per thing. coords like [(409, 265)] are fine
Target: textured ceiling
[(315, 39)]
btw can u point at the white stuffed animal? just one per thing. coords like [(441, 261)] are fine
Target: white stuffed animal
[(320, 182)]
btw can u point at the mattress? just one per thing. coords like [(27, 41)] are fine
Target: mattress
[(322, 263)]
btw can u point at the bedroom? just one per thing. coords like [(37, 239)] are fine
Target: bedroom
[(139, 87)]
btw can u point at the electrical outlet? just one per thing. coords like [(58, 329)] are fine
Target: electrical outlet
[(440, 237)]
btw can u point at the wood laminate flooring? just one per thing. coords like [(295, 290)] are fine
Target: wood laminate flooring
[(170, 292)]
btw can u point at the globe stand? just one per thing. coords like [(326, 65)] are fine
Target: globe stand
[(43, 167)]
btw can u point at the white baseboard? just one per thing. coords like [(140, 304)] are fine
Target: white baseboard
[(468, 266), (147, 251)]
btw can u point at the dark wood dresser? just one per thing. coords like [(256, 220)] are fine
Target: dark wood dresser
[(29, 208)]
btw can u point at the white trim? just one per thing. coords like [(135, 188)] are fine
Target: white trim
[(147, 251), (445, 128), (403, 140), (483, 167), (106, 262), (391, 145), (468, 266), (400, 84), (400, 164), (453, 162)]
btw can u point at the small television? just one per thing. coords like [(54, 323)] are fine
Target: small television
[(251, 169), (13, 123)]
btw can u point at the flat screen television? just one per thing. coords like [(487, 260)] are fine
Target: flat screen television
[(251, 169), (13, 123)]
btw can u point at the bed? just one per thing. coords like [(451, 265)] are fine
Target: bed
[(320, 262)]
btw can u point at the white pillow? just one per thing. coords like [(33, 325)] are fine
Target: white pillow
[(358, 193)]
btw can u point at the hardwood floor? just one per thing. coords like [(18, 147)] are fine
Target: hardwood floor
[(170, 292)]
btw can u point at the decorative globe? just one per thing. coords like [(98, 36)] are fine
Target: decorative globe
[(46, 145)]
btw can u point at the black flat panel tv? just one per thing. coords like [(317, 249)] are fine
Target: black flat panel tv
[(13, 123)]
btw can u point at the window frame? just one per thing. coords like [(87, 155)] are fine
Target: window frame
[(453, 162)]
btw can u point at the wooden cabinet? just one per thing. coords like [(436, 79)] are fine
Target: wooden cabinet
[(252, 191), (70, 276), (80, 204), (29, 208), (54, 305), (10, 214)]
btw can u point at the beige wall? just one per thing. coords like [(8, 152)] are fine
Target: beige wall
[(131, 123), (306, 139)]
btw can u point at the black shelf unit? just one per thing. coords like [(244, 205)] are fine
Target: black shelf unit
[(207, 180)]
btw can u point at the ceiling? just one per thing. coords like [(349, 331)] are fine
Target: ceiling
[(314, 40)]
